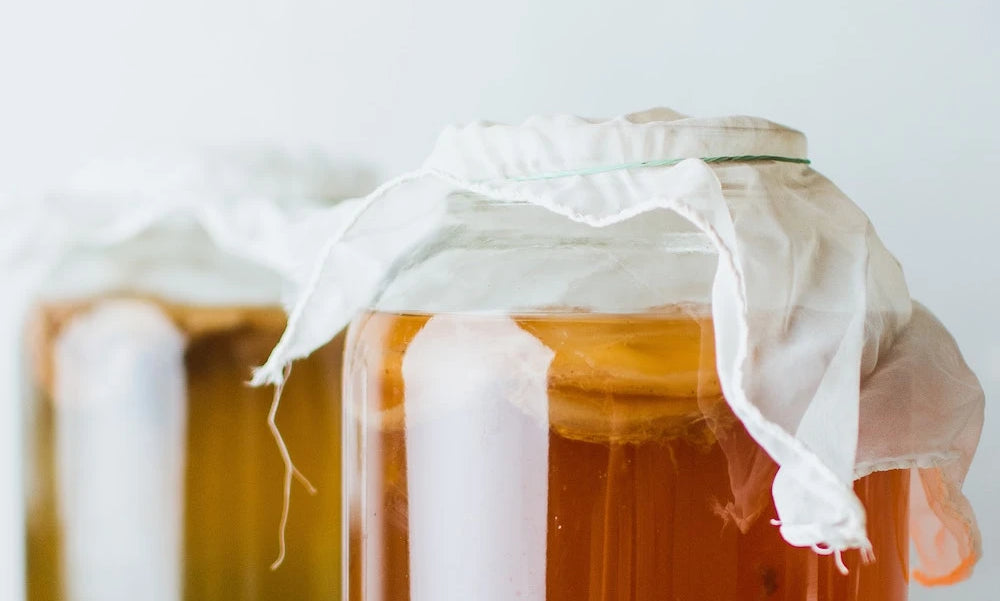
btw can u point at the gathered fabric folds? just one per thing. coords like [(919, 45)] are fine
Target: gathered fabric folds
[(821, 353)]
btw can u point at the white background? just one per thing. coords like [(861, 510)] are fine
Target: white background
[(899, 100)]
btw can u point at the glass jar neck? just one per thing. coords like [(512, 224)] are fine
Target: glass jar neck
[(500, 222), (516, 257)]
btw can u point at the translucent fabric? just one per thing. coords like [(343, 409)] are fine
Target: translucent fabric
[(820, 351)]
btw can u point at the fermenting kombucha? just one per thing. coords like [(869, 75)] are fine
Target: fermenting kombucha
[(574, 457), (153, 474)]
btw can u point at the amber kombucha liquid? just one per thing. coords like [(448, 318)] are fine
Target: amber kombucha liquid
[(651, 490), (229, 488)]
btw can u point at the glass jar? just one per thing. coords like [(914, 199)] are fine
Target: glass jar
[(532, 411), (151, 470)]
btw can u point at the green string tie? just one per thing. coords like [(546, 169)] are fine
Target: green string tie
[(655, 163)]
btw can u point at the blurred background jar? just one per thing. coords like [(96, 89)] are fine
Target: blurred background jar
[(151, 472)]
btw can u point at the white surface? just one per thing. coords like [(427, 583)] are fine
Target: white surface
[(120, 428), (477, 463), (898, 100)]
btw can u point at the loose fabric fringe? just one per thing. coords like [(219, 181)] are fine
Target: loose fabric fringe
[(290, 469)]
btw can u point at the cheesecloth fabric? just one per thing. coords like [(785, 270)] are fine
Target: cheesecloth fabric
[(821, 353)]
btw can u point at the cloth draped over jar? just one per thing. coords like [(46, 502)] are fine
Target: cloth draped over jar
[(162, 225), (821, 352)]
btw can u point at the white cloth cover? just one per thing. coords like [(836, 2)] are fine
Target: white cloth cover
[(817, 340), (208, 226), (257, 205)]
